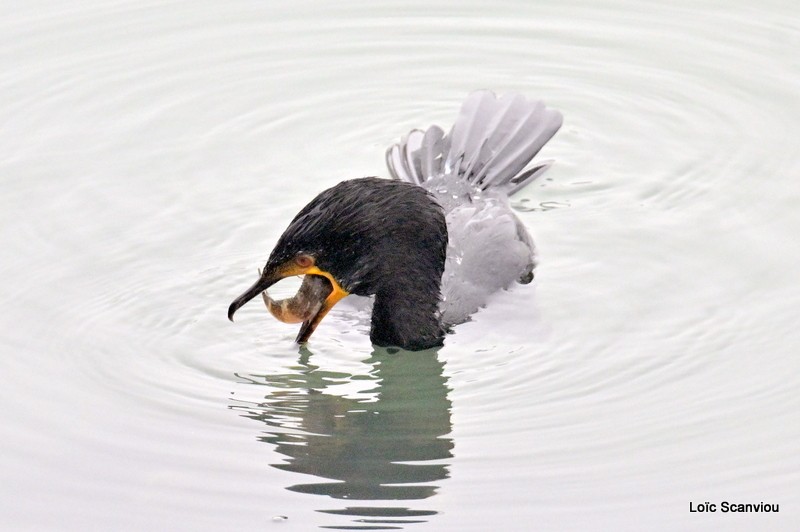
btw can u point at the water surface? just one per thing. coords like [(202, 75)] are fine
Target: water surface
[(152, 153)]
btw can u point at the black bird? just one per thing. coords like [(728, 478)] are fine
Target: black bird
[(430, 245)]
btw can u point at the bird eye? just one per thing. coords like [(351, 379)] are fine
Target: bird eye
[(304, 261)]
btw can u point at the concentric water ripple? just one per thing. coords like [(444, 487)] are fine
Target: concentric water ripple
[(152, 153)]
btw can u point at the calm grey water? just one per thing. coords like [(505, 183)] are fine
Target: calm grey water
[(152, 152)]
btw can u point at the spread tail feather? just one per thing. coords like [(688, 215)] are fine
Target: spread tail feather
[(492, 141)]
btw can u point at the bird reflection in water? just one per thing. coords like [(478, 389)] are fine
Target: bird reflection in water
[(387, 442)]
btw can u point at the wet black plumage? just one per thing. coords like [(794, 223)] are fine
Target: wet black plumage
[(431, 245), (383, 238)]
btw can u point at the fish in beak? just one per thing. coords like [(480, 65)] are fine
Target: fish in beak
[(317, 294)]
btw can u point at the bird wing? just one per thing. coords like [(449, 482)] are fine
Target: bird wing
[(471, 171), (485, 253)]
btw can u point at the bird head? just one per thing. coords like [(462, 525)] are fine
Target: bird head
[(364, 236)]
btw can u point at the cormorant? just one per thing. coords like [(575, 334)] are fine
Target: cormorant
[(430, 245)]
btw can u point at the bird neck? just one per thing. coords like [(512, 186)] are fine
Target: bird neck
[(406, 316)]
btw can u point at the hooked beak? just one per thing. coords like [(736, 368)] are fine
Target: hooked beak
[(318, 293), (264, 282)]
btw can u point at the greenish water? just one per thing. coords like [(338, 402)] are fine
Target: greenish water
[(152, 153)]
